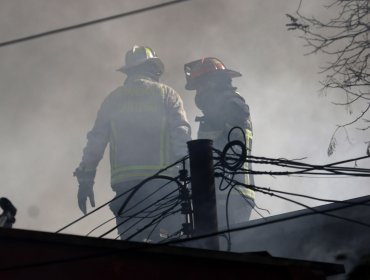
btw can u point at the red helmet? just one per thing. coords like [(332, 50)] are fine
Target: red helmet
[(198, 69)]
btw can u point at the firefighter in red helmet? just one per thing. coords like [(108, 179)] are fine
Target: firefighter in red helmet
[(145, 125), (223, 108)]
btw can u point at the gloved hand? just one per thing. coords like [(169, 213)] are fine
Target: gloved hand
[(85, 180), (85, 191)]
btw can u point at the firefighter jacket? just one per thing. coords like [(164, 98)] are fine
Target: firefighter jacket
[(146, 127), (223, 110)]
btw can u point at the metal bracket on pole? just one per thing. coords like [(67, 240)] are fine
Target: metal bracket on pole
[(203, 191)]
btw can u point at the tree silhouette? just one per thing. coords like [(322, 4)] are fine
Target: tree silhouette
[(344, 39)]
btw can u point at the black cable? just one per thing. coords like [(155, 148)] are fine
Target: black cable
[(143, 218), (332, 164), (135, 215), (322, 176), (301, 195), (100, 225), (137, 188), (118, 196), (304, 169), (229, 184), (141, 246), (162, 217), (136, 246), (153, 213), (148, 225), (316, 211), (109, 220), (245, 198), (315, 198), (271, 193), (118, 225), (236, 128), (159, 206), (223, 176), (260, 208), (304, 172), (238, 163), (309, 167), (157, 218), (251, 205), (243, 141), (88, 23), (227, 219), (137, 222), (246, 227), (170, 180), (92, 212)]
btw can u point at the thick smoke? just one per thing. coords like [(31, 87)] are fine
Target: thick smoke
[(51, 89)]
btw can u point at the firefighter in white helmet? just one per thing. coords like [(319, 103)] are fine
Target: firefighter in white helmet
[(146, 127)]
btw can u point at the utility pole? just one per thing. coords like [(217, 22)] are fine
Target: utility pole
[(203, 191)]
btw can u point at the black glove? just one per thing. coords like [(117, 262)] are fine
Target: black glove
[(85, 180)]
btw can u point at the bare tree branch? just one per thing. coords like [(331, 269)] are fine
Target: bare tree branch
[(345, 40)]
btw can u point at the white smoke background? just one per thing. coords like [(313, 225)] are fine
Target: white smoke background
[(52, 87)]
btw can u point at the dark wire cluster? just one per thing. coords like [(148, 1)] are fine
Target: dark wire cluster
[(234, 156), (144, 207), (146, 214), (233, 160)]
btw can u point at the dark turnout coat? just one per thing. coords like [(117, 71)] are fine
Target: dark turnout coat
[(222, 111)]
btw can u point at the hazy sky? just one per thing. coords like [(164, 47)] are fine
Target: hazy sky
[(52, 87)]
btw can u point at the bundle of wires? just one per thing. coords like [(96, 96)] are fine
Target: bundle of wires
[(156, 201), (141, 215)]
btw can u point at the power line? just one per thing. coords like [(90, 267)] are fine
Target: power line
[(255, 225), (156, 175), (88, 23), (303, 168), (269, 161), (307, 169), (135, 215), (316, 211), (314, 198), (271, 192), (139, 246), (124, 204)]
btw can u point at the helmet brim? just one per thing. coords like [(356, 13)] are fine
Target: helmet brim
[(191, 84), (232, 73), (156, 60)]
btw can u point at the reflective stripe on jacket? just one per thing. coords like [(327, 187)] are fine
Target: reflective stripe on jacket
[(230, 110), (146, 127)]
